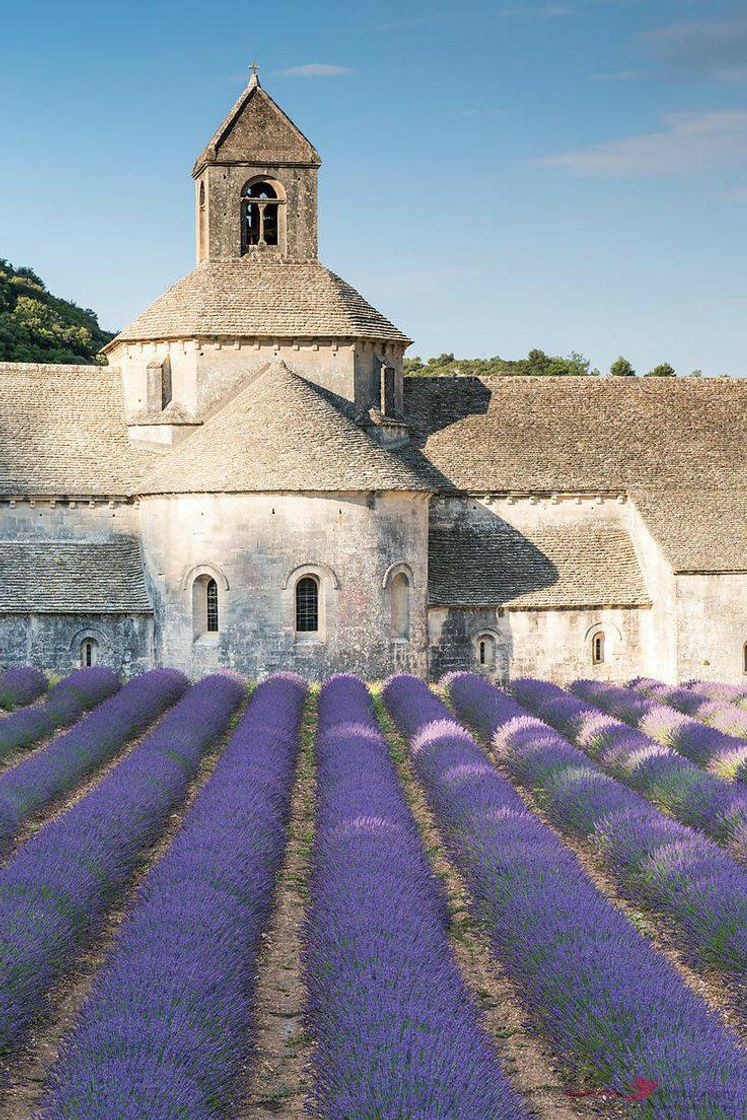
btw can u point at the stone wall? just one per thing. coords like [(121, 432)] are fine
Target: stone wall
[(52, 641), (256, 547), (555, 645), (711, 627), (205, 373)]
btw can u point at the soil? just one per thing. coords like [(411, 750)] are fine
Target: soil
[(278, 1079)]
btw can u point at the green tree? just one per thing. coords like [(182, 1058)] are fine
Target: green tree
[(35, 326), (663, 370), (621, 367)]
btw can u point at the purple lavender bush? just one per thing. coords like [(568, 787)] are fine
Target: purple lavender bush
[(724, 755), (58, 887), (678, 787), (64, 703), (662, 863), (54, 770), (170, 1017), (20, 685), (396, 1031), (719, 690), (722, 715), (611, 1003)]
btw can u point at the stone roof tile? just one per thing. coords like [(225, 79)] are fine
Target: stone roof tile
[(63, 432), (281, 433), (550, 568), (249, 298), (72, 577)]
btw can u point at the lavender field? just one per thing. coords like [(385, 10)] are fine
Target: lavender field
[(371, 901)]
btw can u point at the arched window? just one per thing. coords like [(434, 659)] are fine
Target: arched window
[(486, 652), (259, 215), (400, 606), (307, 605), (89, 652), (205, 616), (597, 648)]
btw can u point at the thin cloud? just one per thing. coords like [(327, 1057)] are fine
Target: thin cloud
[(702, 48), (314, 70), (689, 143)]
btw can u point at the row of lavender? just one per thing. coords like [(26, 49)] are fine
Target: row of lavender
[(52, 771), (166, 1030), (607, 998), (21, 685), (58, 887), (670, 867), (396, 1032), (680, 788), (723, 755)]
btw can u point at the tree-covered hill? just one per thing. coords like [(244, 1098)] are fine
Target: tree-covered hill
[(536, 363), (35, 326)]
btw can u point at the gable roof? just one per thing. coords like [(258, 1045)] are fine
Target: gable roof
[(280, 433), (257, 130), (698, 530), (72, 577), (677, 446), (63, 431), (494, 564), (249, 298), (582, 433)]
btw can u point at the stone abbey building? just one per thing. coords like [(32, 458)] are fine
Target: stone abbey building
[(250, 482)]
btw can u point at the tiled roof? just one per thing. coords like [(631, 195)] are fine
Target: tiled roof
[(582, 433), (698, 530), (248, 298), (493, 564), (70, 577), (256, 128), (63, 432), (281, 433), (677, 446)]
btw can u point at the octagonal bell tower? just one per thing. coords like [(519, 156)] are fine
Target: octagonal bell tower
[(256, 186)]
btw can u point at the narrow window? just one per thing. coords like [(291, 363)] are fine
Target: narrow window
[(89, 652), (259, 216), (486, 652), (205, 609), (744, 658), (400, 606), (211, 597), (597, 648), (307, 605)]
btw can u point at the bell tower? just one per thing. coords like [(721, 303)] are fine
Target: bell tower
[(256, 185)]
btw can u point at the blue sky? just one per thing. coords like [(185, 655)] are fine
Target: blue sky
[(496, 176)]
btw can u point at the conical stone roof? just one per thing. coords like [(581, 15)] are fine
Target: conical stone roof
[(280, 433), (249, 298)]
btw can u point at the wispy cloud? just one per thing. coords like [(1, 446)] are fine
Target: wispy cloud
[(689, 143), (702, 48), (314, 70)]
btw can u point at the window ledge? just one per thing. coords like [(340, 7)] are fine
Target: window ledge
[(211, 639)]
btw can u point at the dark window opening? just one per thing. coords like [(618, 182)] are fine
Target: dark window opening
[(211, 597), (88, 652), (307, 605), (259, 216), (483, 652), (597, 649)]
